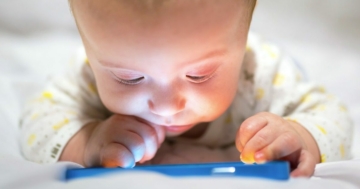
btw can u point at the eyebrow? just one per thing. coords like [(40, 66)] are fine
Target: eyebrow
[(215, 53), (212, 54)]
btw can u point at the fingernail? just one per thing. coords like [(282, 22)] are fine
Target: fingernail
[(249, 159), (260, 157)]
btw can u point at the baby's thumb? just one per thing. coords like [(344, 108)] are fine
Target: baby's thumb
[(160, 131), (238, 144)]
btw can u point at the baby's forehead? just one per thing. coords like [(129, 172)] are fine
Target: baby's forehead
[(157, 5), (154, 4), (120, 11)]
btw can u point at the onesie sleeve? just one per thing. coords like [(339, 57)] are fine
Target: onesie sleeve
[(280, 88), (68, 102)]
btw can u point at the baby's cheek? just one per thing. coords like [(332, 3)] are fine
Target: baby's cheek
[(213, 103), (126, 103)]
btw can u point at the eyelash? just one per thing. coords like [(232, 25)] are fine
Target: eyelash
[(194, 79), (130, 82), (199, 79)]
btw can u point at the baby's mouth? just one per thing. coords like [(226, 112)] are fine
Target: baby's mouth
[(171, 127), (178, 128)]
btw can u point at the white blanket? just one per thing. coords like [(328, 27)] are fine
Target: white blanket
[(329, 55)]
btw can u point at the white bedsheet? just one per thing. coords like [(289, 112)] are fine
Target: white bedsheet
[(26, 60)]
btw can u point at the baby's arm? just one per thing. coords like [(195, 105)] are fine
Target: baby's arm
[(52, 118), (300, 120), (68, 122), (323, 115)]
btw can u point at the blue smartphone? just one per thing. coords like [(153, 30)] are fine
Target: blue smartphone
[(277, 170)]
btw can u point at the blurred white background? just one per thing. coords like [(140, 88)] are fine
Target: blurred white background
[(39, 37)]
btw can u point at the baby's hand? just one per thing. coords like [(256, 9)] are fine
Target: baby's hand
[(122, 141), (265, 137)]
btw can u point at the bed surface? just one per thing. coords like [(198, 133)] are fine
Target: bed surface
[(319, 34)]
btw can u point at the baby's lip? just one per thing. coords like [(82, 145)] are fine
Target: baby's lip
[(166, 125), (171, 126), (178, 128)]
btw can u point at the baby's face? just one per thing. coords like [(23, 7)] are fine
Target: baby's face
[(174, 65)]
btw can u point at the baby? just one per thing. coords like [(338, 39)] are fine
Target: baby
[(166, 81)]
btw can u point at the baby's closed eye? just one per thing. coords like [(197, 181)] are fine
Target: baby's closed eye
[(198, 79)]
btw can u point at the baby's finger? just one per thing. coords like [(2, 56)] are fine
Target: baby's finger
[(248, 129), (160, 130), (306, 166), (114, 155), (150, 138), (282, 146), (133, 142), (259, 141)]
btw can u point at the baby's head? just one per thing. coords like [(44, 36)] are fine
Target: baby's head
[(168, 62)]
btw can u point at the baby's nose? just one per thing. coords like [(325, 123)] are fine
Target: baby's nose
[(165, 105)]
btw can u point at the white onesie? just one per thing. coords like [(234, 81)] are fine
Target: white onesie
[(270, 81)]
